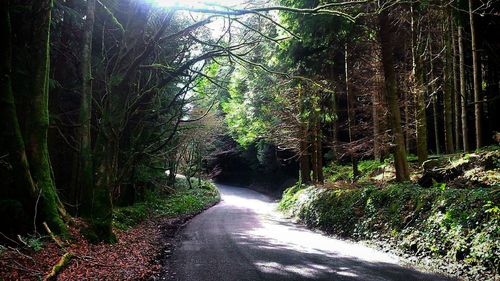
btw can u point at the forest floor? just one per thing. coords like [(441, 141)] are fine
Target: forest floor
[(144, 230)]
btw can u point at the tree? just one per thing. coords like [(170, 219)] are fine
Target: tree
[(476, 79), (419, 89), (448, 83), (463, 93), (27, 136), (85, 176), (387, 45)]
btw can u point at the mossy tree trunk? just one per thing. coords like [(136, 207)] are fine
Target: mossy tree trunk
[(116, 114), (37, 119), (29, 151), (100, 203), (24, 187), (377, 116)]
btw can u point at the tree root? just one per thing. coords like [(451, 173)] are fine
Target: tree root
[(63, 261), (58, 242)]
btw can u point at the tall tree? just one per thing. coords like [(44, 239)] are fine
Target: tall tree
[(463, 91), (476, 78), (27, 136), (448, 83), (350, 111), (434, 98), (386, 34), (85, 177), (419, 88), (456, 89)]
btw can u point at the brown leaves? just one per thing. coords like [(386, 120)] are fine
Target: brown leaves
[(133, 257)]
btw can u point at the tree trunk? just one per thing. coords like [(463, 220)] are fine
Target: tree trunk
[(419, 91), (350, 112), (407, 125), (456, 91), (101, 208), (377, 154), (476, 79), (85, 178), (433, 95), (321, 177), (436, 123), (316, 154), (463, 92), (37, 118), (24, 188), (448, 86), (387, 46), (305, 167)]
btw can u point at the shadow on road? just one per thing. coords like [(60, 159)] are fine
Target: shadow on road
[(244, 238)]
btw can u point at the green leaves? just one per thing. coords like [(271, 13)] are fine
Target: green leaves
[(438, 185)]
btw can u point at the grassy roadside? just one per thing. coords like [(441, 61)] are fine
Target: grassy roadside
[(166, 203), (457, 230), (441, 227)]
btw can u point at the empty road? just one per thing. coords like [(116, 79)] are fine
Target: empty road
[(245, 238)]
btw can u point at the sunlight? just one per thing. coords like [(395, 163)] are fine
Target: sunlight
[(197, 3)]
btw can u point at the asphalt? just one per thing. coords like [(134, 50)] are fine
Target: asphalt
[(245, 238)]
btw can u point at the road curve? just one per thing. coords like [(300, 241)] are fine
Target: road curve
[(244, 238)]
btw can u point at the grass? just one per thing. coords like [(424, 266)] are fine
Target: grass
[(184, 201), (458, 226)]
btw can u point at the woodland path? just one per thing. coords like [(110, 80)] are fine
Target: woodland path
[(245, 238)]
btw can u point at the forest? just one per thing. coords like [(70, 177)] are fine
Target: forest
[(380, 118)]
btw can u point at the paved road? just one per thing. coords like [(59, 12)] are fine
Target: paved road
[(244, 238)]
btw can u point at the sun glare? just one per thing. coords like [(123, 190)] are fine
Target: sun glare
[(197, 3)]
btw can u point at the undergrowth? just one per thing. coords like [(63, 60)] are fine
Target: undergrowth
[(340, 172), (457, 226), (183, 201)]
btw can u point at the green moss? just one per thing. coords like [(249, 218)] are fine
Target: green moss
[(101, 216), (454, 225)]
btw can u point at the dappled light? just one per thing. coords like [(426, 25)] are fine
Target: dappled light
[(196, 3), (247, 223)]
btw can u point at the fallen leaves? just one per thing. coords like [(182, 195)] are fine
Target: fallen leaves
[(136, 256)]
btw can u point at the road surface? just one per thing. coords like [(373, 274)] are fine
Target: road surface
[(245, 238)]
